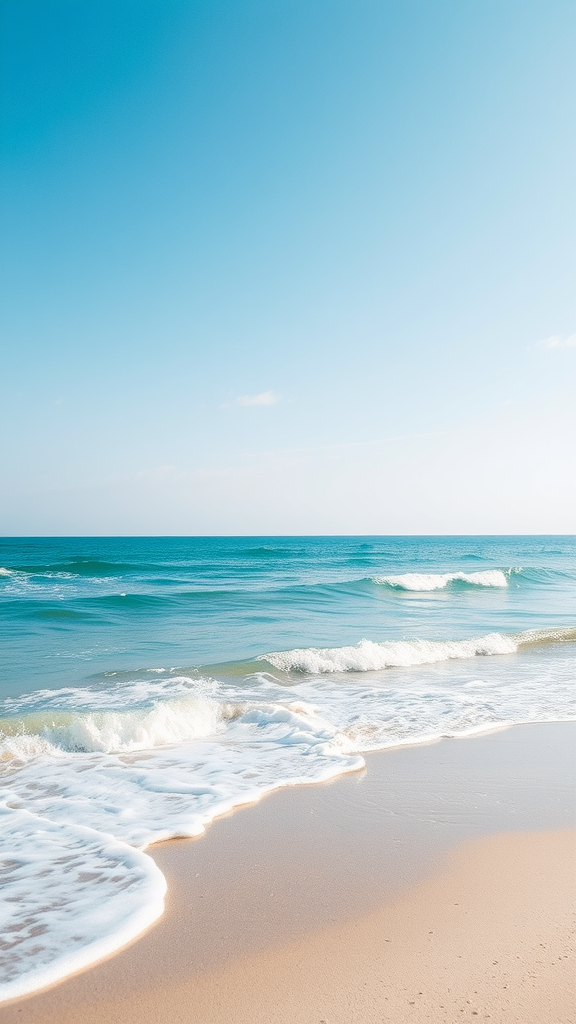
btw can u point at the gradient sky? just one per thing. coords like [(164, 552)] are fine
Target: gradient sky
[(288, 266)]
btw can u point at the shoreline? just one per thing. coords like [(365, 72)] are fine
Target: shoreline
[(488, 935), (315, 868)]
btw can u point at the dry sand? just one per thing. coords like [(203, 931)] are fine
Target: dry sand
[(490, 937), (440, 884)]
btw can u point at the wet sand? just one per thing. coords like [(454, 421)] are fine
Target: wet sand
[(438, 884)]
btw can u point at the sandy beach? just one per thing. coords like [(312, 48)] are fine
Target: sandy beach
[(438, 884), (288, 512)]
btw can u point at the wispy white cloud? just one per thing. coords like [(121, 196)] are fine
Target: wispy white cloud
[(558, 341), (264, 398)]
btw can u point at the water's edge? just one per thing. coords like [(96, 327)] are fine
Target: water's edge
[(140, 924)]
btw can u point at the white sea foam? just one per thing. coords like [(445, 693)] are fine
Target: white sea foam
[(423, 581), (98, 774), (454, 698), (367, 656), (4, 572), (73, 895), (167, 723), (137, 693), (107, 805)]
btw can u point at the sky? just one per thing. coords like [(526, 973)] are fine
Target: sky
[(287, 267)]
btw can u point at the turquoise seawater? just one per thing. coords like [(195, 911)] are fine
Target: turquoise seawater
[(149, 684), (76, 609)]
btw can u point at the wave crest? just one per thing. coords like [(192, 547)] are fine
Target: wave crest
[(114, 732), (367, 656), (426, 581)]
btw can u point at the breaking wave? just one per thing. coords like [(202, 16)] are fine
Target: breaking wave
[(85, 793), (367, 656), (164, 724), (423, 581)]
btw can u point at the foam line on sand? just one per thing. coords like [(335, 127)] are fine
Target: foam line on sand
[(439, 884)]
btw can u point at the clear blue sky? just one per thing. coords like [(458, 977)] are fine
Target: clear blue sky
[(288, 266)]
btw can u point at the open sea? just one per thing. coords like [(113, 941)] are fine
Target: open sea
[(148, 685)]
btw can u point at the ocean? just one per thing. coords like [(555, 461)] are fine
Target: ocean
[(148, 685)]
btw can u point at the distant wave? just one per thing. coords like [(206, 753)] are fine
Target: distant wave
[(91, 567), (367, 656), (422, 581), (84, 577), (267, 551), (85, 608)]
